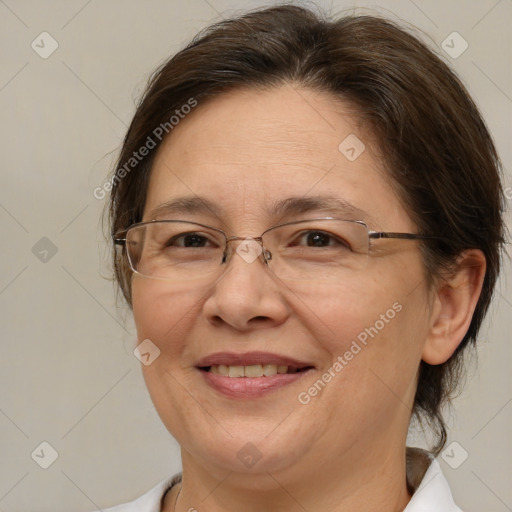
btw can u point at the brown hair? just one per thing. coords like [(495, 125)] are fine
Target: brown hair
[(436, 147)]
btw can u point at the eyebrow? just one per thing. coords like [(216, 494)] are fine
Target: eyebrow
[(328, 204), (284, 208), (186, 204)]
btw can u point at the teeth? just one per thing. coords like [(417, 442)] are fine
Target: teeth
[(253, 370), (235, 371), (269, 370)]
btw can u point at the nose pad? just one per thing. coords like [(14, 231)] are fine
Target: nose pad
[(249, 249)]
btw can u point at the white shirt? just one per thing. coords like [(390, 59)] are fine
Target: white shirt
[(431, 495)]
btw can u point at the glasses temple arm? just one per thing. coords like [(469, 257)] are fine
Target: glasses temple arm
[(406, 236), (119, 238)]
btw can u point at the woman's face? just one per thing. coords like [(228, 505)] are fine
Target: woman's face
[(361, 337)]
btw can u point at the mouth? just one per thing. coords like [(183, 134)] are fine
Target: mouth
[(250, 375), (253, 370)]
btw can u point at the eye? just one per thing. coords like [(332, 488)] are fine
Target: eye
[(191, 239), (316, 238)]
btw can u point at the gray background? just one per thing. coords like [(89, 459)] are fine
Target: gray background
[(68, 375)]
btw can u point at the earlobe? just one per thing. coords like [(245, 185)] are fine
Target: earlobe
[(455, 301)]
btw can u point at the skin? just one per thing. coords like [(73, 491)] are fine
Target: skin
[(345, 449)]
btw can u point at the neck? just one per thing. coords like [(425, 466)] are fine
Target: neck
[(375, 484)]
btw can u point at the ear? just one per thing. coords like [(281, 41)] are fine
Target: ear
[(455, 301)]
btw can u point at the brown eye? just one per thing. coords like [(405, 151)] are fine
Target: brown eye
[(188, 240), (320, 239)]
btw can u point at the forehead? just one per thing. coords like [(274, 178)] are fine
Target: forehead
[(284, 122), (248, 150)]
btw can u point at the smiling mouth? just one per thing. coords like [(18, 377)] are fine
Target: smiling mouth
[(253, 370)]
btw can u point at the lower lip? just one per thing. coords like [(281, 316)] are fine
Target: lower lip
[(250, 387)]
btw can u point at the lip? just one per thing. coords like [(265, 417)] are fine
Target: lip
[(250, 387)]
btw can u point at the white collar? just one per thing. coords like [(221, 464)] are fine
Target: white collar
[(426, 480)]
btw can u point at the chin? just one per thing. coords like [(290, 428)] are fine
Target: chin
[(242, 449)]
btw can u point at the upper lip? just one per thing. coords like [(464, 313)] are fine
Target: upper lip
[(250, 358)]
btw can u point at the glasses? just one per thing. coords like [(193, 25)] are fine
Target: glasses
[(318, 249)]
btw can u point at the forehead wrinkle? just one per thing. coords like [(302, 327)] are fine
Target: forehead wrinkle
[(275, 131)]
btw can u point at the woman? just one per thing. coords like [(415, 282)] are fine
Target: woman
[(308, 216)]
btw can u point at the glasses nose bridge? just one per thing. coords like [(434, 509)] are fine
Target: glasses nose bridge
[(267, 255), (234, 238)]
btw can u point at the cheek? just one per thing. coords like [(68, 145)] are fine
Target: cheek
[(157, 303), (165, 312), (356, 310), (372, 331)]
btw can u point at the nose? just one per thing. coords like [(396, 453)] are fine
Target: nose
[(247, 295)]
